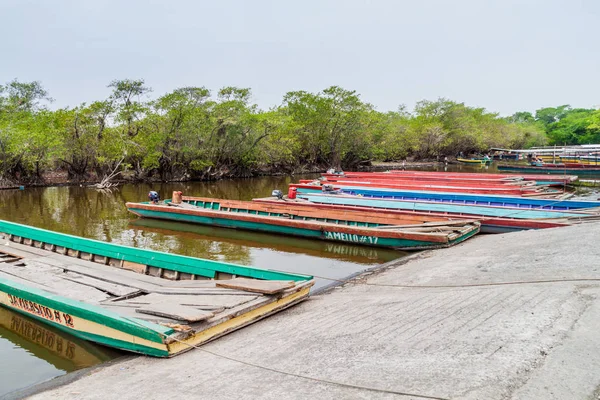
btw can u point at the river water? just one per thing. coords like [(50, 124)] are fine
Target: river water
[(32, 353)]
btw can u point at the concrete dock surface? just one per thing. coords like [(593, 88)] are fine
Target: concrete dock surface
[(513, 316)]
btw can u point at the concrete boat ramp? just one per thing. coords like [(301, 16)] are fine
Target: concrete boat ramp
[(512, 316)]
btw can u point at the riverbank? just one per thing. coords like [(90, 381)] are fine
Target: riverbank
[(60, 178), (498, 317)]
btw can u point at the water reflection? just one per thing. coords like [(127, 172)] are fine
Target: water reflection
[(90, 213), (229, 244), (33, 342)]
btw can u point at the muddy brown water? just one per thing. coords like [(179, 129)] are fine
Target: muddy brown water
[(33, 353)]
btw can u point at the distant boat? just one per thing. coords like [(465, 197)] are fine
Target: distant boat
[(586, 160), (570, 169), (475, 161), (515, 156)]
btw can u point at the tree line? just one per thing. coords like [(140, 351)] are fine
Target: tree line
[(193, 133)]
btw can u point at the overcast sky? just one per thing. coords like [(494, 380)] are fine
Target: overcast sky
[(504, 55)]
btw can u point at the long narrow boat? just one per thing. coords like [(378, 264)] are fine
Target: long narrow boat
[(504, 185), (425, 177), (411, 233), (488, 224), (134, 299), (474, 189), (516, 187), (456, 198), (493, 219), (440, 179), (583, 160), (570, 170), (565, 178)]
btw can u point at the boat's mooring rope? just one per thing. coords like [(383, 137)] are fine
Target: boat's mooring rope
[(468, 285), (293, 374)]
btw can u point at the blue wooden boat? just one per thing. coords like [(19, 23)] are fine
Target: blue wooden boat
[(455, 209), (457, 198)]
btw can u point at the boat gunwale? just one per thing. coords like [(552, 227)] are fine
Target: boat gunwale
[(168, 261)]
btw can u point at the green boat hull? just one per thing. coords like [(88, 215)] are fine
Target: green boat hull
[(404, 244), (85, 321)]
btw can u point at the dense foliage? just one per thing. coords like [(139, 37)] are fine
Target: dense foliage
[(193, 133), (565, 125)]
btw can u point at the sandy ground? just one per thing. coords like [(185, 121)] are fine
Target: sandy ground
[(512, 316)]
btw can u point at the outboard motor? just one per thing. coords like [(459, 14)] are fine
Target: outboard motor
[(327, 188), (154, 197), (277, 193)]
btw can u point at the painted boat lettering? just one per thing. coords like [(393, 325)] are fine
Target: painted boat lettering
[(347, 237), (41, 311)]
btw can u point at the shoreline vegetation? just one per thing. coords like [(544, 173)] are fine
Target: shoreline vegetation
[(193, 134)]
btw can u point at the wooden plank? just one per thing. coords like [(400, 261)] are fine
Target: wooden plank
[(8, 260), (26, 282), (129, 312), (139, 268), (176, 311), (200, 301), (188, 283), (132, 279), (245, 308), (256, 285), (19, 250), (51, 277), (25, 248), (110, 288)]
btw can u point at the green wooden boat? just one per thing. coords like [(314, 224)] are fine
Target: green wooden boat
[(134, 299), (474, 161), (405, 233)]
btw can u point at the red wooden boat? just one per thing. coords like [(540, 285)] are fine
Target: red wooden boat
[(508, 191), (528, 177), (439, 182), (572, 166), (409, 177)]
